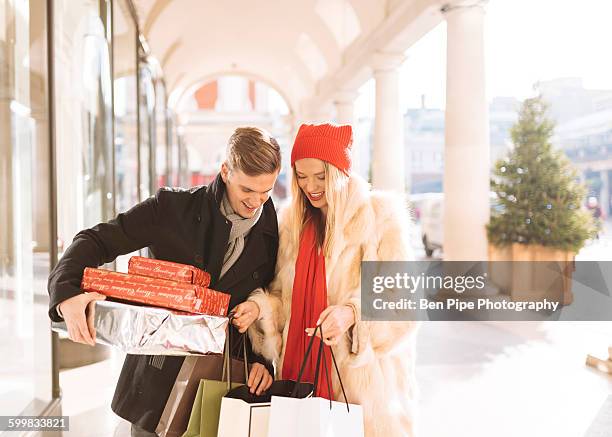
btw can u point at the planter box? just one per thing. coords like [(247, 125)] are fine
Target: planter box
[(530, 280)]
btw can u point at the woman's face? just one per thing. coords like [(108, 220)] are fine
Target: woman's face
[(310, 174)]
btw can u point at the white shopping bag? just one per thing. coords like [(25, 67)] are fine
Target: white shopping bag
[(283, 416), (241, 419), (313, 417)]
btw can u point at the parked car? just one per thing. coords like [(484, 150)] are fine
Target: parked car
[(431, 213), (432, 222)]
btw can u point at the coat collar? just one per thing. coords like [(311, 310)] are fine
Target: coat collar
[(216, 189), (358, 195)]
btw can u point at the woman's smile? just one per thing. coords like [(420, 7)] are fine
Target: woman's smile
[(316, 196)]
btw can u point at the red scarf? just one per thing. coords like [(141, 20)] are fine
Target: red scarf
[(308, 300)]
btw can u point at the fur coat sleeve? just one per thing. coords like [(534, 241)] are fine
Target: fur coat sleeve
[(390, 242), (266, 332)]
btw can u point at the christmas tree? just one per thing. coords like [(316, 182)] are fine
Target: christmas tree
[(538, 191)]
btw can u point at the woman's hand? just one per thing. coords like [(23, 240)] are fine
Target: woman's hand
[(335, 320), (244, 315), (259, 379)]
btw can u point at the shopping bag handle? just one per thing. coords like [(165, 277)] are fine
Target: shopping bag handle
[(227, 359), (317, 367), (304, 361), (331, 351), (339, 378)]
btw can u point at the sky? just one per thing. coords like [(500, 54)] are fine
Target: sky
[(526, 41)]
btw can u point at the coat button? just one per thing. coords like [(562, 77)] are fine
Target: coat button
[(199, 218), (199, 259), (255, 275)]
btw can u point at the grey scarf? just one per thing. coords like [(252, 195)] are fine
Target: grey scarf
[(240, 230)]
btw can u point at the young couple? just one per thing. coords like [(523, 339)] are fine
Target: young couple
[(283, 282)]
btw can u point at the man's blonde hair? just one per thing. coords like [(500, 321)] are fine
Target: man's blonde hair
[(253, 151)]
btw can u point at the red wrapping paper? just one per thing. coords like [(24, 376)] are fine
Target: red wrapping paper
[(168, 270), (157, 292)]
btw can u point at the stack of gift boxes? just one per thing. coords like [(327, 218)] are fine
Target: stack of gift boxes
[(159, 283)]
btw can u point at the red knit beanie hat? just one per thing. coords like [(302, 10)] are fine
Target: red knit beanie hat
[(327, 142)]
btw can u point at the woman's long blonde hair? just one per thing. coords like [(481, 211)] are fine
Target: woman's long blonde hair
[(301, 211)]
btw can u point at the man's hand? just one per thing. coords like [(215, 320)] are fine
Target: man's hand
[(335, 320), (259, 379), (80, 330), (244, 315)]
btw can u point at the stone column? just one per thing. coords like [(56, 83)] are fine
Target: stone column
[(344, 102), (466, 152), (388, 165)]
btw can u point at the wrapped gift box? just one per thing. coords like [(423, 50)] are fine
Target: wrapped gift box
[(168, 270), (155, 331), (157, 292)]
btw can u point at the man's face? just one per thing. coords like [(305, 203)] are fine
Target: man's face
[(247, 193)]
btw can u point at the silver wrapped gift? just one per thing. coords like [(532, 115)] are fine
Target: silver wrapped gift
[(155, 331)]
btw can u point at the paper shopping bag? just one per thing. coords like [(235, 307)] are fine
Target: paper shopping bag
[(239, 418), (245, 414), (176, 414), (314, 417), (204, 419)]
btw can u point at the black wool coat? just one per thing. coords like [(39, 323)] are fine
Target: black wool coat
[(184, 226)]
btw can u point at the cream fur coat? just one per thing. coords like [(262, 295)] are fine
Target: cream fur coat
[(376, 359)]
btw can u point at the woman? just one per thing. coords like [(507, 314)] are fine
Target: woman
[(333, 224)]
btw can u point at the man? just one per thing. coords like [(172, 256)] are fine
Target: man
[(228, 228)]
